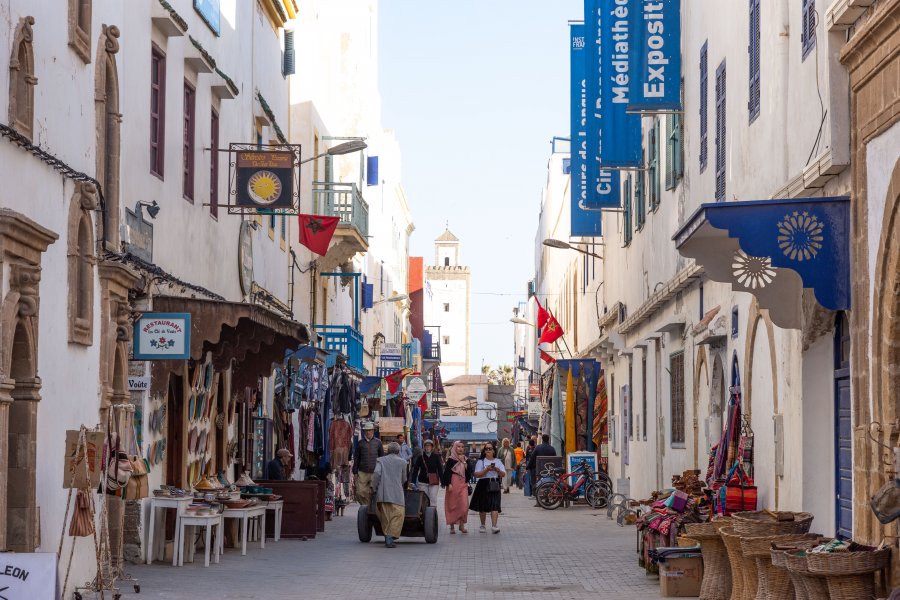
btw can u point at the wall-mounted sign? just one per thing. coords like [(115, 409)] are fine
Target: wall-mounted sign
[(245, 257), (265, 179), (391, 352), (534, 390), (534, 410), (656, 73), (209, 11), (29, 575), (139, 384), (162, 336)]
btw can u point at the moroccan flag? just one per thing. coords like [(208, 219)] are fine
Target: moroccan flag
[(547, 358), (423, 402), (316, 232), (552, 331), (395, 379), (542, 317)]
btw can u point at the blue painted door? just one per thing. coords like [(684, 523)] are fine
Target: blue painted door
[(843, 438)]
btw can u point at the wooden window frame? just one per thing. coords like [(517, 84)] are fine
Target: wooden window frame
[(189, 118), (755, 52), (678, 417), (158, 118), (704, 106), (721, 130)]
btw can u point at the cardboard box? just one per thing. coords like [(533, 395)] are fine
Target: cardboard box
[(680, 577)]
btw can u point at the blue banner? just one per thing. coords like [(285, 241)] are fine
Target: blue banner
[(656, 60), (613, 134), (583, 222)]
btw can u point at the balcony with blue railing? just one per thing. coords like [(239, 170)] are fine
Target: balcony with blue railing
[(344, 339), (345, 201), (431, 348)]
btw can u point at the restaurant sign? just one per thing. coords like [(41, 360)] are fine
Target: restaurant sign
[(162, 336), (265, 179)]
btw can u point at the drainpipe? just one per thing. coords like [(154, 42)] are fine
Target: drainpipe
[(660, 423)]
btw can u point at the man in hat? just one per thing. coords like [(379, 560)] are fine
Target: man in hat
[(389, 482), (368, 451), (276, 467)]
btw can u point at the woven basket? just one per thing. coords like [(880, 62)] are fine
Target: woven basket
[(740, 590), (779, 581), (686, 542), (849, 575), (716, 584), (759, 523), (759, 550), (814, 586)]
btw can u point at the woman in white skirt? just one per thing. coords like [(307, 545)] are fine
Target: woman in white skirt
[(486, 498)]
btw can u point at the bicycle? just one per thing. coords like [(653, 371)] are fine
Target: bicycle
[(551, 493)]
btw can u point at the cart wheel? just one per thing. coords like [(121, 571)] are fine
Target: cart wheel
[(363, 527), (137, 589), (430, 522)]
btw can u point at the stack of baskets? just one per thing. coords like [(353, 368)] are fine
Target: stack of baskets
[(716, 583), (757, 530), (801, 584), (848, 574)]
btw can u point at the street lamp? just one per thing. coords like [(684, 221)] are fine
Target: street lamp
[(344, 148), (520, 321), (567, 246), (394, 298)]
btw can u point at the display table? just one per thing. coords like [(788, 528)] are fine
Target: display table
[(179, 504), (303, 509), (208, 522), (245, 514), (276, 506)]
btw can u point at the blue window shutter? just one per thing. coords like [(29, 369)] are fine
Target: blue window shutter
[(720, 132), (372, 170), (753, 49), (808, 27), (704, 108), (287, 64), (368, 292)]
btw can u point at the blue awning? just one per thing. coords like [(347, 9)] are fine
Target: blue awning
[(774, 249), (307, 354), (369, 383)]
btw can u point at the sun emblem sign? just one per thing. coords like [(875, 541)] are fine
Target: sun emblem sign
[(752, 272), (800, 236)]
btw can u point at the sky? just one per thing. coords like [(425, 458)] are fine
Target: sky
[(475, 91)]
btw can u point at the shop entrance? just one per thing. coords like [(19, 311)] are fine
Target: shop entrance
[(20, 501), (175, 447), (843, 430)]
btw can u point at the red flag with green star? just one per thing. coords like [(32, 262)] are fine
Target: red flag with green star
[(316, 232)]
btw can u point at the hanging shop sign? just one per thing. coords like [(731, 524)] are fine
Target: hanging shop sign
[(139, 383), (534, 390), (162, 336), (583, 222), (534, 410), (415, 385), (614, 135), (265, 179), (656, 60), (29, 575)]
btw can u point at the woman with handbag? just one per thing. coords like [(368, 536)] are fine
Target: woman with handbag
[(486, 497), (455, 479), (426, 471)]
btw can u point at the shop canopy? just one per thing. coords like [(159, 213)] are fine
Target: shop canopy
[(249, 336), (774, 249), (307, 353)]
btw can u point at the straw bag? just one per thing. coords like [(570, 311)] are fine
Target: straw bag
[(138, 485), (82, 524)]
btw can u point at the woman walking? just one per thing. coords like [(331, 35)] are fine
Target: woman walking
[(427, 470), (508, 458), (486, 497), (455, 479)]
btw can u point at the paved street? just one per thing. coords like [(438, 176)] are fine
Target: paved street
[(568, 553)]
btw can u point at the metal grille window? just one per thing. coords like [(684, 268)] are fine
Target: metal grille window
[(754, 49), (720, 133), (190, 97), (676, 393), (704, 107), (626, 211), (157, 110), (653, 174), (808, 27)]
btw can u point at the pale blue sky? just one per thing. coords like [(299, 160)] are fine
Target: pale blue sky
[(475, 90)]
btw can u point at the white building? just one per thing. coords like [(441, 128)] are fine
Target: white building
[(447, 304), (678, 325)]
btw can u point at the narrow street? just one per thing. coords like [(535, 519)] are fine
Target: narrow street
[(567, 553)]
